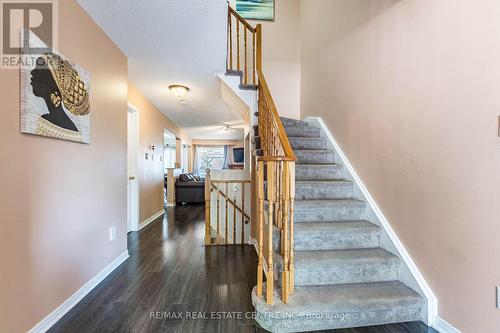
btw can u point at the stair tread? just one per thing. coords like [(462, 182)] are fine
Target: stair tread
[(315, 204), (304, 259), (324, 181), (344, 298), (302, 131), (319, 165), (316, 151), (304, 204), (335, 226)]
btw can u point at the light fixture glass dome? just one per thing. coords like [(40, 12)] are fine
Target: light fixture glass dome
[(179, 90)]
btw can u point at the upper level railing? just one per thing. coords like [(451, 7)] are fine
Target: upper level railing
[(242, 48), (275, 168)]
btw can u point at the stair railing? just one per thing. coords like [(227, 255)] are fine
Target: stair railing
[(227, 198), (243, 50), (275, 168)]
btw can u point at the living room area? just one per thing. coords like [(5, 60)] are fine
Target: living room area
[(186, 165)]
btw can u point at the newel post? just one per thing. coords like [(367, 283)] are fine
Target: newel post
[(258, 28), (208, 198)]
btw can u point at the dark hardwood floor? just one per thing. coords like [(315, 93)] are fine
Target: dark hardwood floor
[(170, 274)]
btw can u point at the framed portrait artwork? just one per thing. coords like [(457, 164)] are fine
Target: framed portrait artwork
[(55, 98)]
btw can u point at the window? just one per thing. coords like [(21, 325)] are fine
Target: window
[(185, 157), (210, 157), (169, 152)]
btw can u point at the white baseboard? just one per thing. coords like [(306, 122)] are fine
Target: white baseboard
[(432, 302), (444, 327), (150, 219), (44, 325)]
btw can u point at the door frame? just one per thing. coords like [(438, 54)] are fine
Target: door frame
[(132, 168)]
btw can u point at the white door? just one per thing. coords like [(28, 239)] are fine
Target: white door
[(133, 183)]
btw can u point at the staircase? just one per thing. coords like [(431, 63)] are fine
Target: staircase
[(343, 278), (324, 264)]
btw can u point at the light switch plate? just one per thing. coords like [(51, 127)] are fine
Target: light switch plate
[(112, 233), (498, 297)]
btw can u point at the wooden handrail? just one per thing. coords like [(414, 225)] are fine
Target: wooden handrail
[(285, 143), (241, 19)]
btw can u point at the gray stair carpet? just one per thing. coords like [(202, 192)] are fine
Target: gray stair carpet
[(343, 278)]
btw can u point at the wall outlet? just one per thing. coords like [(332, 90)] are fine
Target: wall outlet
[(112, 233), (498, 297)]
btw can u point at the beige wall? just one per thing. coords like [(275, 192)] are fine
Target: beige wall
[(410, 89), (281, 56), (58, 199), (152, 124)]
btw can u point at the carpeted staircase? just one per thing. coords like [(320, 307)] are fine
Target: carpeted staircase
[(342, 276)]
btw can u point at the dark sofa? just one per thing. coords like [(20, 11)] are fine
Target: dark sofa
[(190, 189)]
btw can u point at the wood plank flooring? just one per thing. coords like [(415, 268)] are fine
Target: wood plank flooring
[(170, 275)]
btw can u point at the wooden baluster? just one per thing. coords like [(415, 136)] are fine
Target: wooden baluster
[(208, 198), (292, 199), (285, 285), (260, 209), (218, 217), (245, 81), (227, 215), (253, 59), (243, 213), (238, 44), (271, 200), (234, 214), (277, 195), (230, 41)]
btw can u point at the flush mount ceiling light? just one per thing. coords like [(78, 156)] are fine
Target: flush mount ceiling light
[(227, 129), (179, 90)]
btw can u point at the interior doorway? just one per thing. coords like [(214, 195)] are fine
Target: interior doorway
[(169, 165), (133, 181)]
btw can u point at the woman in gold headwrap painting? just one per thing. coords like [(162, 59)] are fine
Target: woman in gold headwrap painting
[(59, 84)]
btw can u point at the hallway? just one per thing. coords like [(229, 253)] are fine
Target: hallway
[(169, 274)]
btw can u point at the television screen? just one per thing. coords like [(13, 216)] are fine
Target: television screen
[(239, 155)]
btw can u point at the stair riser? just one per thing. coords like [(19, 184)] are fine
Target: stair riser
[(300, 131), (329, 214), (323, 191), (315, 157), (308, 143), (332, 320), (327, 172), (328, 241), (342, 273)]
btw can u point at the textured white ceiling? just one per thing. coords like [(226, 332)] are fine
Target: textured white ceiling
[(173, 41)]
